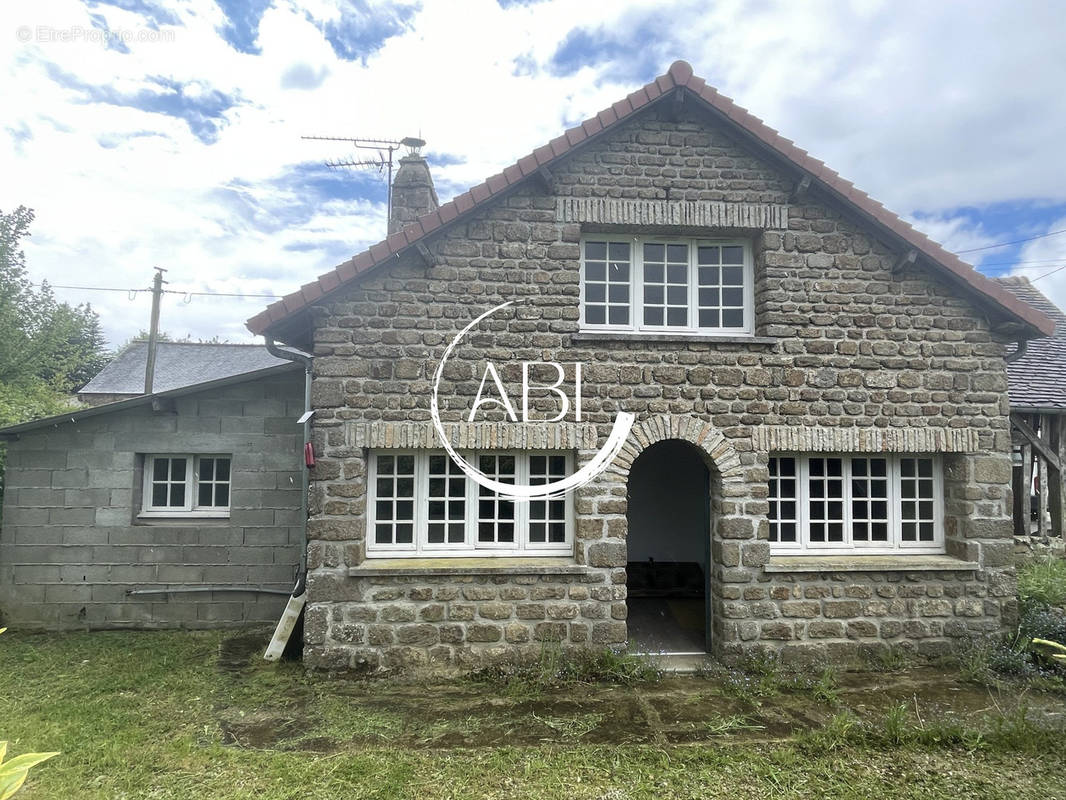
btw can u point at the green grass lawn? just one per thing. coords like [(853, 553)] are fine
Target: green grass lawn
[(189, 715)]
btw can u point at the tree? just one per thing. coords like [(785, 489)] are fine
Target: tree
[(48, 349)]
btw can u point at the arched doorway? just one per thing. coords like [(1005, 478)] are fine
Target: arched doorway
[(668, 542)]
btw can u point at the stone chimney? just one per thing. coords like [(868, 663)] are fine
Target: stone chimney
[(412, 191)]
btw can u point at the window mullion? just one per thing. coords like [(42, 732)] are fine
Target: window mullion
[(521, 468), (803, 493), (636, 282), (569, 530), (191, 465), (421, 501), (847, 541), (470, 515), (938, 501), (693, 283), (896, 503)]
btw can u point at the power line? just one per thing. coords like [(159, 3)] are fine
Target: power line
[(1038, 277), (165, 291), (1011, 268), (1013, 263), (1004, 244)]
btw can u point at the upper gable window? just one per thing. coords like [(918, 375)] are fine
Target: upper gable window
[(666, 285)]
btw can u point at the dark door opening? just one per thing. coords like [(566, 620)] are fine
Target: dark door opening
[(668, 550)]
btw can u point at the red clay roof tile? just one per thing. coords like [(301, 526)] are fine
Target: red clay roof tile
[(637, 99), (574, 136), (512, 174), (681, 72), (346, 271), (379, 252), (527, 164), (430, 222), (310, 292), (329, 281), (543, 154), (464, 202), (591, 126), (497, 183), (447, 213)]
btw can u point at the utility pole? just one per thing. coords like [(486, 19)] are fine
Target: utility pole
[(153, 330)]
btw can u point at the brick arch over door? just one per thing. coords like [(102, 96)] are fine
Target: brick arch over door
[(719, 454), (733, 525)]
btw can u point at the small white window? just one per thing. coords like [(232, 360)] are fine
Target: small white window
[(663, 285), (876, 504), (186, 485), (421, 503)]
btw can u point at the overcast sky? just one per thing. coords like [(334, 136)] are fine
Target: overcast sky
[(167, 132)]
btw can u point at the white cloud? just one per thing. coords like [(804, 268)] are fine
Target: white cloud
[(1048, 255), (928, 107)]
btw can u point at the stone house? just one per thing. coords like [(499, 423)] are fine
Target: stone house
[(821, 458), (181, 508)]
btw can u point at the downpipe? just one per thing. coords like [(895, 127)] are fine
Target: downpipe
[(293, 612), (1019, 351)]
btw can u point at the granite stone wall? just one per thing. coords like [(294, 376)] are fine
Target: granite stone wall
[(71, 546), (848, 356)]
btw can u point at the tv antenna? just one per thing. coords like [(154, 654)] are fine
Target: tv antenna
[(383, 163)]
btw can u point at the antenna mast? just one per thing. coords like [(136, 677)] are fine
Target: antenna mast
[(383, 162)]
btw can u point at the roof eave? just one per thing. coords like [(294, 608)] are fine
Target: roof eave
[(12, 432)]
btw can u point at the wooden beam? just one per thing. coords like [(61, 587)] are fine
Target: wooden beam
[(1027, 482), (802, 186), (1021, 498), (545, 178), (677, 102), (1045, 450), (1043, 519), (904, 261), (1006, 327), (427, 257), (1056, 487)]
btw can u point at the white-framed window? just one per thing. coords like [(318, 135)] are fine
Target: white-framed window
[(674, 285), (186, 485), (419, 503), (860, 503)]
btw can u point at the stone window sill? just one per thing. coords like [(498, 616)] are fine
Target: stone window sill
[(670, 338), (428, 567), (860, 563)]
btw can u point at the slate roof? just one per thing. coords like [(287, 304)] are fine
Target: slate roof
[(78, 414), (677, 82), (1038, 378), (177, 365)]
